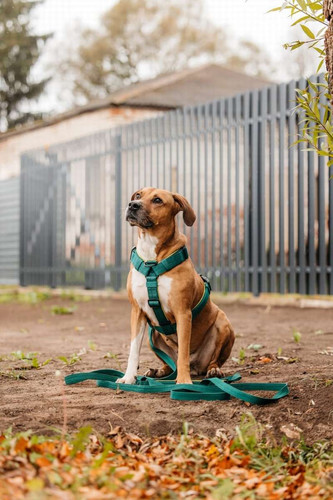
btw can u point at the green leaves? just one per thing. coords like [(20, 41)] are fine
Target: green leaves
[(313, 107), (307, 31)]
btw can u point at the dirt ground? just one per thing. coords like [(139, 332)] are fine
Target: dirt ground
[(101, 326)]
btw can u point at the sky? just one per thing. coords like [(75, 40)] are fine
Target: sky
[(241, 18)]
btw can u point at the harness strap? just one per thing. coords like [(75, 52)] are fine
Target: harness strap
[(170, 328), (165, 265), (152, 269)]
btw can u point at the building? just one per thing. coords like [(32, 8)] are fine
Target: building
[(131, 104)]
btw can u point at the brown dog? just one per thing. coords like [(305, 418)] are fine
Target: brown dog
[(202, 345)]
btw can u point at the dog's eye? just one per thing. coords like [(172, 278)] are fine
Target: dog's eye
[(137, 196), (157, 200)]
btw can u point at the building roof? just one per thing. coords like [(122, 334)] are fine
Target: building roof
[(166, 92), (187, 88)]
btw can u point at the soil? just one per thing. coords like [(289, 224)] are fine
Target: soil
[(101, 326)]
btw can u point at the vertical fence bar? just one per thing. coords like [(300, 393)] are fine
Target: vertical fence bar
[(254, 192), (246, 112), (229, 187), (272, 134), (221, 168), (330, 225), (213, 187), (311, 220), (206, 245), (157, 142), (291, 194), (177, 148), (199, 183), (164, 152), (183, 136), (118, 220), (301, 195), (262, 193), (321, 207), (170, 151), (191, 131), (237, 119), (23, 211), (151, 153), (282, 109), (144, 126)]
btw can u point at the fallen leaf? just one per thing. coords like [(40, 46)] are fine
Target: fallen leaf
[(291, 431), (255, 347), (264, 360)]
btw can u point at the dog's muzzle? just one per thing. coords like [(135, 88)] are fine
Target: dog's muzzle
[(132, 210), (135, 215)]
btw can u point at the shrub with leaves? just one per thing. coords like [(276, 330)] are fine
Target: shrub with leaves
[(313, 102)]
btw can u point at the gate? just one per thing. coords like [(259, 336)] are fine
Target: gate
[(264, 207)]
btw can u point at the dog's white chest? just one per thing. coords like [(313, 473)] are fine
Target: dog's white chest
[(140, 293)]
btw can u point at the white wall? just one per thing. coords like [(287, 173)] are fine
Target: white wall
[(12, 147)]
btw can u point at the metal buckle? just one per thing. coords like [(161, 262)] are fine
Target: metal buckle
[(153, 303), (206, 280), (150, 263)]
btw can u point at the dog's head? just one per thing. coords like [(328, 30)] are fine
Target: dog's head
[(150, 207)]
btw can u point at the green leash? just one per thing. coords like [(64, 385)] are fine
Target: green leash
[(212, 389)]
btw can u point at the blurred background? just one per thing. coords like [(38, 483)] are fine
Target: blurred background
[(81, 50), (100, 98)]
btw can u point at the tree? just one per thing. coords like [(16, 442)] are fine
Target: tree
[(19, 51), (144, 38), (328, 13)]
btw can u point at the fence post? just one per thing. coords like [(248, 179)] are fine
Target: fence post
[(118, 215), (22, 241)]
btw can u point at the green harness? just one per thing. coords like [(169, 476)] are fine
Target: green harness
[(152, 269), (208, 389)]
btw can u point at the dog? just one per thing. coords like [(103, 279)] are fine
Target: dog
[(201, 345)]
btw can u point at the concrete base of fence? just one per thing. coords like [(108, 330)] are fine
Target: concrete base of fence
[(264, 299)]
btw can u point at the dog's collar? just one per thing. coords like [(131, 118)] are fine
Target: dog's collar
[(147, 267)]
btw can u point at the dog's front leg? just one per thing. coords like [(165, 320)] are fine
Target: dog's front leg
[(184, 328), (138, 327)]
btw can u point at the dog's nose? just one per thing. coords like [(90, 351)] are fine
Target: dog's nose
[(134, 205)]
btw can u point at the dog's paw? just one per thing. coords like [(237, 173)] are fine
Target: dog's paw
[(158, 372), (126, 380), (215, 372), (151, 373), (184, 380)]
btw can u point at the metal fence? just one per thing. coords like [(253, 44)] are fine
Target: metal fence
[(264, 207), (9, 231)]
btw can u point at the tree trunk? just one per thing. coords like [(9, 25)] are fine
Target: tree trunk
[(328, 13)]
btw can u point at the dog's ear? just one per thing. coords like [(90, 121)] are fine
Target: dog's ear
[(183, 205), (134, 194)]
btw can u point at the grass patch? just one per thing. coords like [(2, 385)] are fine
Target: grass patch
[(30, 297), (122, 465), (62, 310)]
